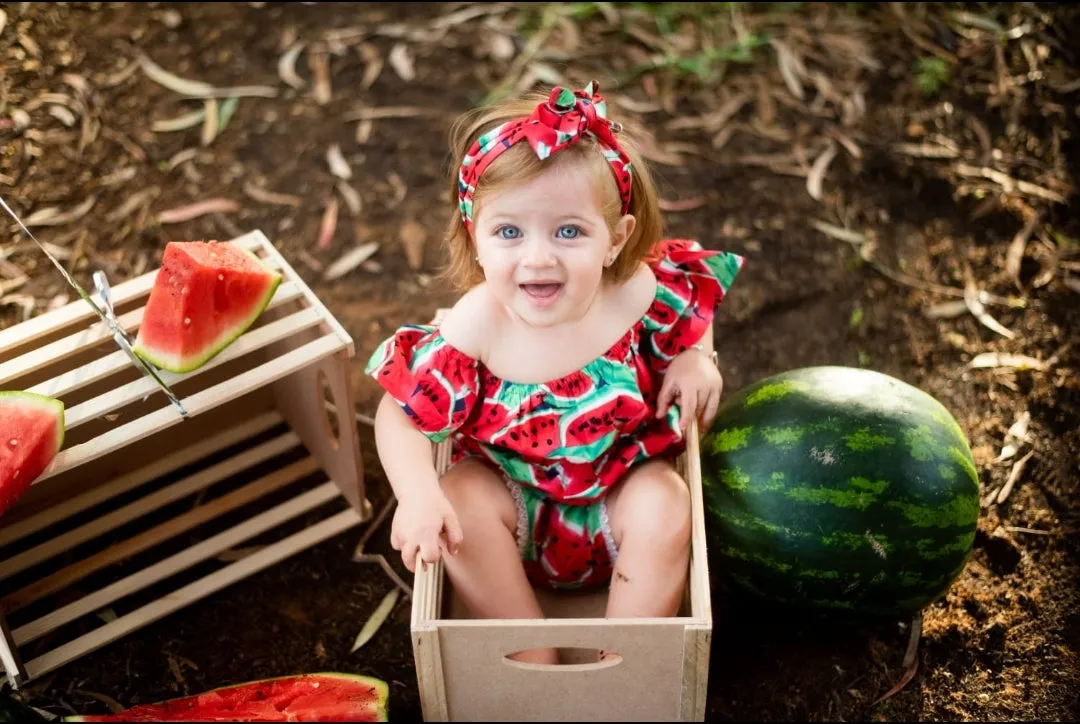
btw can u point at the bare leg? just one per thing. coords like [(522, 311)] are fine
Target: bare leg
[(487, 572), (651, 521)]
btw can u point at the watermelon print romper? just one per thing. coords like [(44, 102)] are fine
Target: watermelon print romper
[(561, 445)]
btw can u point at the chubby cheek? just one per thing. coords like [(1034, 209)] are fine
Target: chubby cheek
[(584, 278)]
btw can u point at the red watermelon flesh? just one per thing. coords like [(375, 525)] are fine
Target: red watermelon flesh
[(205, 295), (31, 433), (307, 697)]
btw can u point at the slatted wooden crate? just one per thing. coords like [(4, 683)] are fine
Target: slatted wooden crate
[(134, 514), (659, 671)]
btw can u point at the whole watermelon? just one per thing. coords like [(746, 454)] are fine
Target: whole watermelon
[(837, 489)]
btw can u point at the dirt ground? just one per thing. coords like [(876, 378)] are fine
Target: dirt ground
[(871, 164)]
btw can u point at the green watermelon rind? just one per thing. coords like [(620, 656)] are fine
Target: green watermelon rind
[(44, 402), (834, 540), (192, 363), (381, 688)]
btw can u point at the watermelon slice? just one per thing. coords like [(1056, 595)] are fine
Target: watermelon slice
[(205, 295), (31, 433), (307, 697)]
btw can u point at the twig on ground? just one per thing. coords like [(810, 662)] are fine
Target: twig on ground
[(911, 662)]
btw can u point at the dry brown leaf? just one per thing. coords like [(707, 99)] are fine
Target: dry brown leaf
[(683, 205), (337, 163), (132, 204), (816, 177), (413, 236), (1014, 476), (351, 197), (210, 122), (287, 66), (180, 123), (328, 225), (373, 64), (978, 310), (21, 119), (401, 190), (197, 209), (501, 46), (791, 68), (1015, 437), (119, 177), (1015, 255), (52, 216), (9, 285), (926, 150), (269, 197), (30, 45), (350, 260), (319, 63), (195, 88), (402, 63), (1006, 359), (62, 114), (363, 130), (372, 625), (372, 114)]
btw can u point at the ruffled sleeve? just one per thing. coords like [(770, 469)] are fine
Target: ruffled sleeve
[(691, 284), (433, 382)]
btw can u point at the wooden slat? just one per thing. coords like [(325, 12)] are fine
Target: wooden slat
[(158, 534), (115, 361), (178, 562), (158, 499), (197, 403), (9, 654), (80, 311), (133, 391), (699, 573), (312, 298), (191, 593), (162, 466)]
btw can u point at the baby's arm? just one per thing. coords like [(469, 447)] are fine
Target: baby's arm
[(405, 453)]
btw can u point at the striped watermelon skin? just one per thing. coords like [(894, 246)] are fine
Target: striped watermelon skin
[(839, 490)]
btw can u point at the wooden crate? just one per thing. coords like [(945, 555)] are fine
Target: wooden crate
[(131, 520), (661, 673)]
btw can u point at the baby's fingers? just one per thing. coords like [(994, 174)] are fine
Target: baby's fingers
[(668, 391), (430, 551), (408, 556), (454, 534), (689, 403)]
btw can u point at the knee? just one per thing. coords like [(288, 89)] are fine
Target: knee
[(658, 507), (468, 487)]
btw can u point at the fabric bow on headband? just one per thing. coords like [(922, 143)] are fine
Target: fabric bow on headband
[(560, 121)]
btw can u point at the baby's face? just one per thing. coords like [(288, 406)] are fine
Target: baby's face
[(543, 245)]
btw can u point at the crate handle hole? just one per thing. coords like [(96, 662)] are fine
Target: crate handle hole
[(570, 659), (330, 411)]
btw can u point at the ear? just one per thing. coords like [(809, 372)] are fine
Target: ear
[(624, 228)]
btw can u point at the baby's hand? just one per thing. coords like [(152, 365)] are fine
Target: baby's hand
[(696, 383), (427, 525)]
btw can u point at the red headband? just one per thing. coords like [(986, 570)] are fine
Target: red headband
[(563, 119)]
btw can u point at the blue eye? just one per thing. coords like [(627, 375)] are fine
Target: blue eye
[(508, 232), (573, 232)]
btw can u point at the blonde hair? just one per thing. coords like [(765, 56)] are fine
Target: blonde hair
[(519, 164)]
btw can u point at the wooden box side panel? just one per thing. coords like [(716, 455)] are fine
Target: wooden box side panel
[(642, 684)]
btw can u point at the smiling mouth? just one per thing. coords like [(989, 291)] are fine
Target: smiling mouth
[(541, 290)]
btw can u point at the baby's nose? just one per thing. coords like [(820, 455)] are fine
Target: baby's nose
[(539, 255)]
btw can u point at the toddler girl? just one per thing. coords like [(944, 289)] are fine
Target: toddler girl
[(567, 373)]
